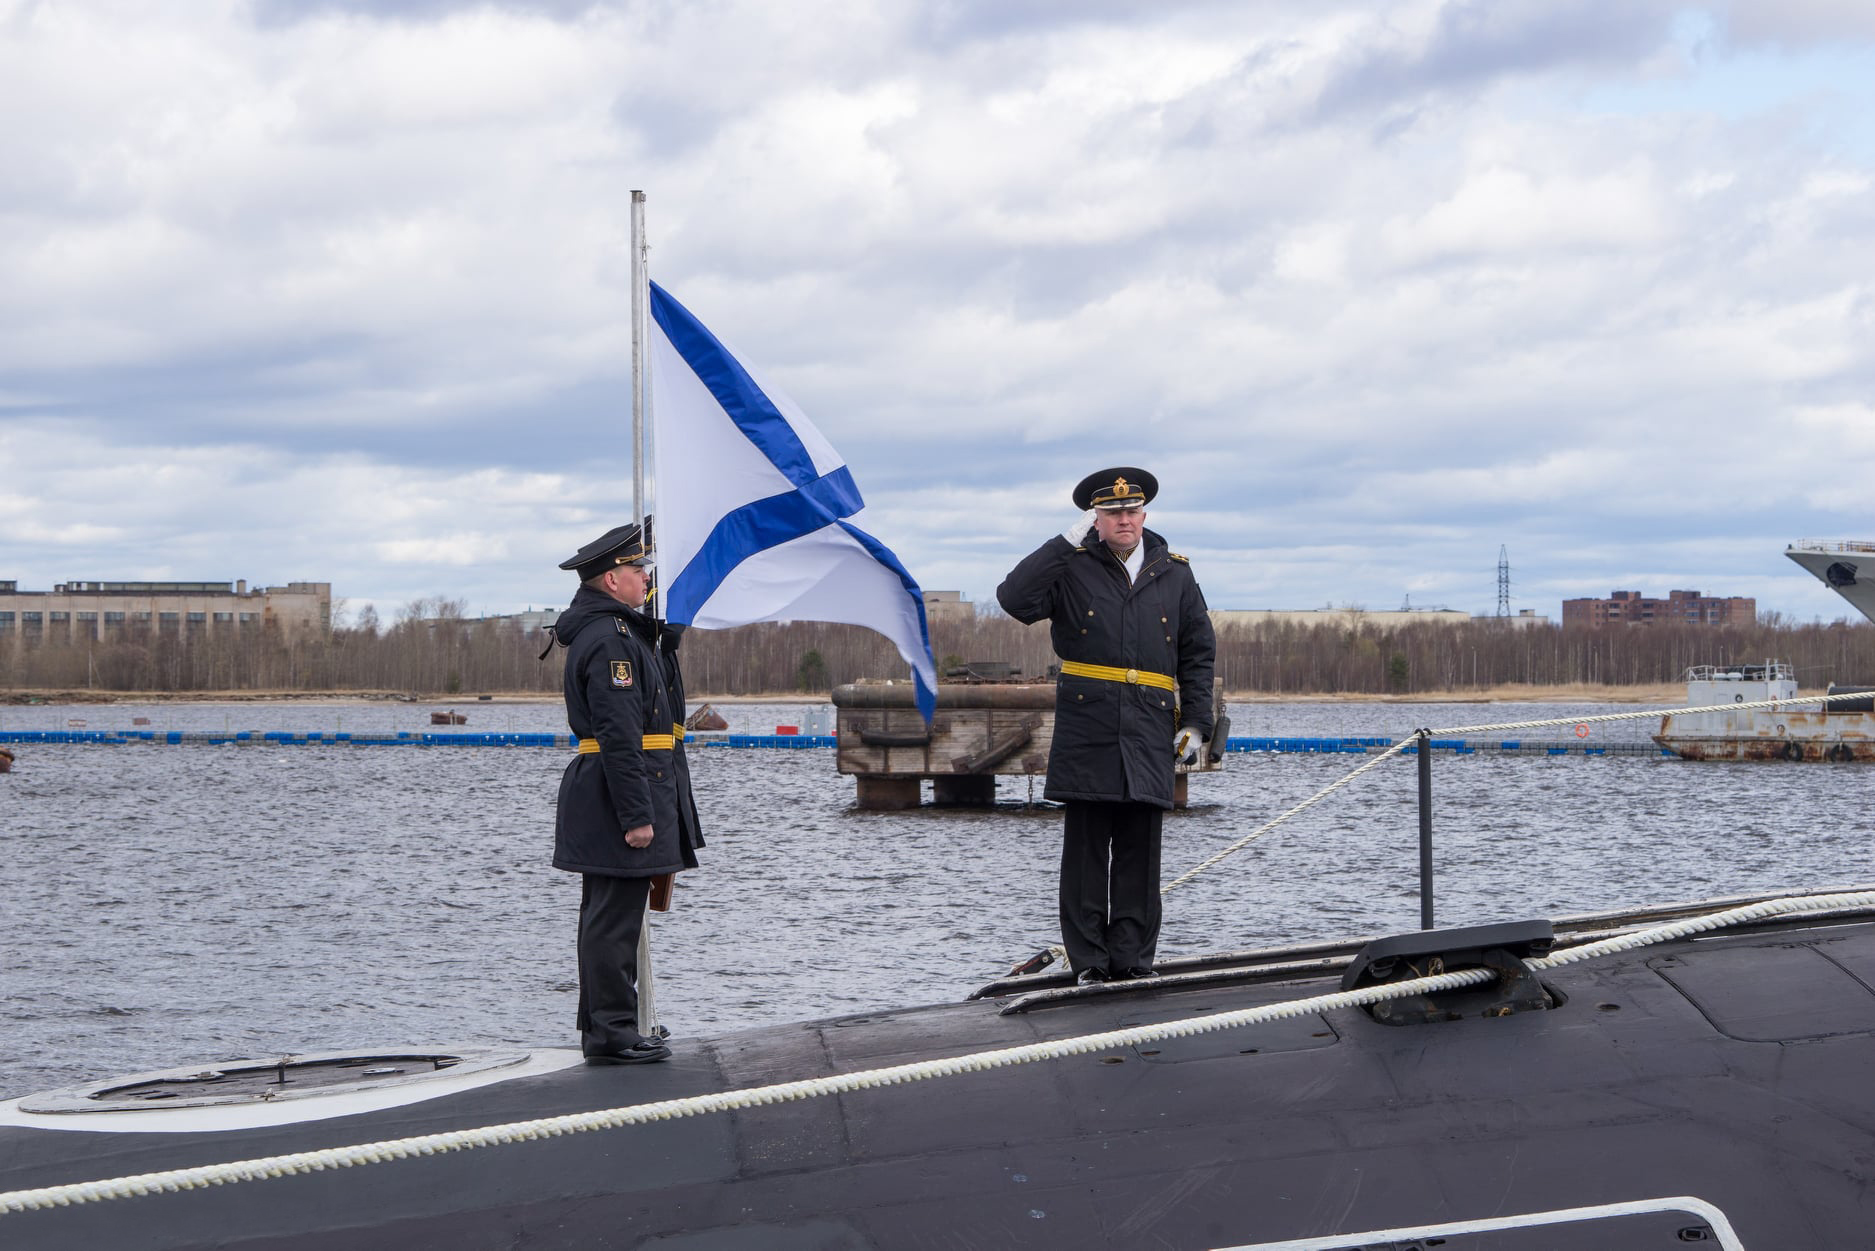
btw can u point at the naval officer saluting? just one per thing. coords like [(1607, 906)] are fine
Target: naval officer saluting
[(618, 822), (1129, 623)]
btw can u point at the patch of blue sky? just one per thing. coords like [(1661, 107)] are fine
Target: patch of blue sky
[(1705, 74)]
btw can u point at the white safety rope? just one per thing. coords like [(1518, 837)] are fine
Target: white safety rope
[(1267, 826), (1652, 712), (173, 1180), (1759, 911), (1411, 739), (1059, 953)]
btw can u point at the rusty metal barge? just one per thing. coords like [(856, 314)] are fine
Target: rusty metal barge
[(1839, 732)]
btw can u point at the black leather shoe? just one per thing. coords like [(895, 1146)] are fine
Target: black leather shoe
[(647, 1052), (1091, 977), (1134, 974), (661, 1033)]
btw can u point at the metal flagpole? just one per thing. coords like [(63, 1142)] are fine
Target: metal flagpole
[(647, 1004), (638, 357)]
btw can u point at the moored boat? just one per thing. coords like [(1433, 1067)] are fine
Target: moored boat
[(1838, 731)]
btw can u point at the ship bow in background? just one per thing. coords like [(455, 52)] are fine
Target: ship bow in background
[(757, 514), (1845, 566)]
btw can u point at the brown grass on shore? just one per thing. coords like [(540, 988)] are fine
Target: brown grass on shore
[(1509, 693)]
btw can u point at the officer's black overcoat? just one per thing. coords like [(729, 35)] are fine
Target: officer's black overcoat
[(615, 693), (1113, 741)]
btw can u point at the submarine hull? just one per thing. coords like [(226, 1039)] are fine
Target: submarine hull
[(1736, 1068)]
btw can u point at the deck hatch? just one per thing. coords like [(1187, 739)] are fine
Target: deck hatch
[(1304, 1033), (1789, 993), (251, 1081)]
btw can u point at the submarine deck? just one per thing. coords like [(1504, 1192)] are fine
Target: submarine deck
[(1735, 1067)]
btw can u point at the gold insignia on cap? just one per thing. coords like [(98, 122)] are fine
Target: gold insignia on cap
[(1120, 488)]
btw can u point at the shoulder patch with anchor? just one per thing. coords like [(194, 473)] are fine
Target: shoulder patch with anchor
[(621, 673)]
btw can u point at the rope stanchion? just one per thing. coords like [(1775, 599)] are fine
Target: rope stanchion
[(301, 1162), (1042, 959)]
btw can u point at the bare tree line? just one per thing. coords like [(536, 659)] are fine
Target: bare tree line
[(432, 648)]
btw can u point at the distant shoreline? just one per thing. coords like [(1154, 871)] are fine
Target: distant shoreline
[(1665, 694)]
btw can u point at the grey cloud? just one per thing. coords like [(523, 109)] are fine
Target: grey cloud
[(275, 13), (1797, 23), (581, 423), (1216, 278), (1476, 42), (948, 22)]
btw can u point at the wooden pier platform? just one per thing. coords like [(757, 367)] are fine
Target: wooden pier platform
[(982, 730)]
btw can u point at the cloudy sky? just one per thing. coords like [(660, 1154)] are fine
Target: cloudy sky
[(334, 290)]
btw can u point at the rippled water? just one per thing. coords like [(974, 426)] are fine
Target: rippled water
[(166, 905)]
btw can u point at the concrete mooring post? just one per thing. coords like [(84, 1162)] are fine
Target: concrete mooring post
[(884, 793)]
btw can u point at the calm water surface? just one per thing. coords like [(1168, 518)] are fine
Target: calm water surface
[(167, 905)]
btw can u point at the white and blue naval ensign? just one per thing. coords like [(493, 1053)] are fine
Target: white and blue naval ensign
[(756, 510)]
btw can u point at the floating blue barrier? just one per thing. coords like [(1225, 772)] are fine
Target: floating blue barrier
[(1342, 746), (773, 740)]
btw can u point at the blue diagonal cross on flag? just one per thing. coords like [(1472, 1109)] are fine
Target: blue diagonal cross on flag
[(756, 510)]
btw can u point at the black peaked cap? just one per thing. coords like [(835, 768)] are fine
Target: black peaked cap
[(1121, 487), (620, 545)]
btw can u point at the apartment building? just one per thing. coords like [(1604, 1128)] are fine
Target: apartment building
[(1679, 608)]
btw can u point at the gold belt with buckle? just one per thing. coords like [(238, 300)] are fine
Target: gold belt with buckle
[(651, 742), (1107, 673)]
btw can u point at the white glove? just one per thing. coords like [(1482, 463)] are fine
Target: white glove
[(1187, 747), (1076, 532)]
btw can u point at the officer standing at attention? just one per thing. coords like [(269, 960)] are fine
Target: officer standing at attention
[(618, 817), (1130, 627)]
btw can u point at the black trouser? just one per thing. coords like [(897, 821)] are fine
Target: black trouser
[(1110, 885), (611, 915)]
